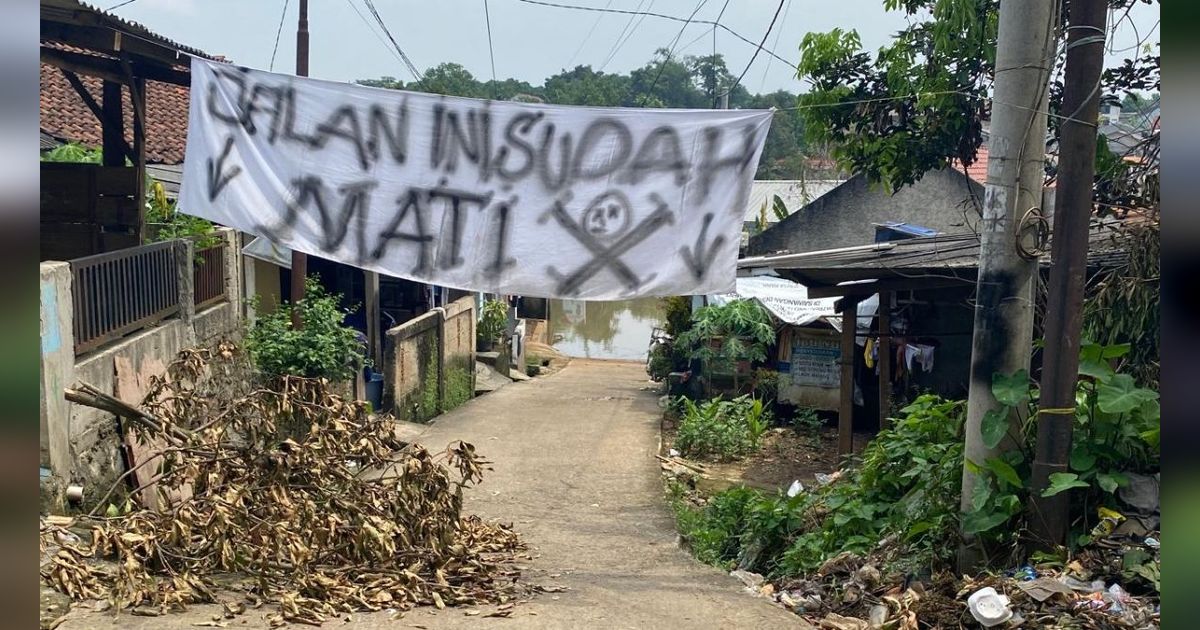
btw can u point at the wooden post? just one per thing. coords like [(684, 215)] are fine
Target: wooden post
[(885, 360), (112, 127), (846, 410), (371, 304), (137, 97)]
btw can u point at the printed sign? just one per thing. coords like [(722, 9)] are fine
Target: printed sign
[(510, 198), (815, 362)]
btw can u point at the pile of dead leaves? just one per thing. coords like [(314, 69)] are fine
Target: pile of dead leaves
[(305, 494)]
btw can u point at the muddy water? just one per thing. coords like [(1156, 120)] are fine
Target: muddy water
[(604, 330)]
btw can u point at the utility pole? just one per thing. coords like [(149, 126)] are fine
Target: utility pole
[(300, 259), (1003, 333), (1073, 211)]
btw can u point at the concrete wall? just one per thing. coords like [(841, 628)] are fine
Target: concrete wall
[(944, 200), (81, 444), (430, 364)]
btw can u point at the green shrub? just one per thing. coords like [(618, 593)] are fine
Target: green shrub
[(723, 335), (909, 481), (721, 428), (713, 533), (493, 319), (677, 315), (323, 348)]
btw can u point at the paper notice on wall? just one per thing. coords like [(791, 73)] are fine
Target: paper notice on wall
[(503, 197)]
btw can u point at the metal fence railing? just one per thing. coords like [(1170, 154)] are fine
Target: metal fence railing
[(208, 276), (119, 292)]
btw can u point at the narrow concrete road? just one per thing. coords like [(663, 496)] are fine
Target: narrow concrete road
[(576, 475)]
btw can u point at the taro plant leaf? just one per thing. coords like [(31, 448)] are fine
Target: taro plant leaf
[(980, 521), (1011, 390), (1082, 459), (1004, 472), (1121, 395), (1110, 481), (1060, 482), (981, 494), (1095, 368), (993, 427), (779, 208), (1114, 351)]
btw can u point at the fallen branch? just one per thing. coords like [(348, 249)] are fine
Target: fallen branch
[(90, 396)]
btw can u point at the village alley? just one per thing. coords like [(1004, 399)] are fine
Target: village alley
[(575, 474)]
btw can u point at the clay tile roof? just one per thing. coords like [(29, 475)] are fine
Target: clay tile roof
[(978, 169), (66, 117)]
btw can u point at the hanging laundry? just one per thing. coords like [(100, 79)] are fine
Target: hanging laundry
[(922, 353), (869, 353)]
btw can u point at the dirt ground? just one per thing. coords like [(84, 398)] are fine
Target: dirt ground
[(786, 455)]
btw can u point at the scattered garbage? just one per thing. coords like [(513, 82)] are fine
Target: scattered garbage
[(1151, 542), (1044, 588), (749, 578), (795, 488), (673, 453), (988, 607), (1141, 493), (1026, 572), (1109, 519), (825, 479), (834, 621)]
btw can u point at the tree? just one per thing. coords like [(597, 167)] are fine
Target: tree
[(920, 102), (391, 83), (451, 79), (665, 82), (584, 86)]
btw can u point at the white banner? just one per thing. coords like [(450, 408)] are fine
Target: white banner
[(511, 198), (785, 299)]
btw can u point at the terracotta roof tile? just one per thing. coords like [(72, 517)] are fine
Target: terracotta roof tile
[(978, 169), (65, 116)]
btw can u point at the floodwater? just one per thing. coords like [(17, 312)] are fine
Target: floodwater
[(604, 330)]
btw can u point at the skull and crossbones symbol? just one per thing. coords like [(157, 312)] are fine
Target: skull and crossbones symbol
[(604, 229)]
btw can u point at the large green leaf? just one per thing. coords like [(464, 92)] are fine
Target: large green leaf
[(979, 521), (1110, 481), (1082, 458), (1114, 351), (1011, 390), (993, 427), (1004, 472), (1121, 395), (1095, 368), (981, 494), (1060, 482)]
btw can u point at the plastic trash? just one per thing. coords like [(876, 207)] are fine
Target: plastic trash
[(1152, 542), (827, 478), (673, 453), (988, 607), (1025, 573), (795, 488), (1109, 519)]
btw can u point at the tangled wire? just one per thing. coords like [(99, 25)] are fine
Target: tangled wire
[(306, 494)]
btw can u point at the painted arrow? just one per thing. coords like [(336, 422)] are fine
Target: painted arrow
[(217, 180), (697, 258)]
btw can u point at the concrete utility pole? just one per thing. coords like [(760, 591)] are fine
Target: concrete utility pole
[(1064, 312), (1004, 297), (300, 259)]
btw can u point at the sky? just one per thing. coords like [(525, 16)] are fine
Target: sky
[(532, 42)]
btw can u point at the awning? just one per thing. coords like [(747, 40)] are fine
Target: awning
[(788, 301), (266, 251)]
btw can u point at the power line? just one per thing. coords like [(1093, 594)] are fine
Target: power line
[(630, 35), (412, 68), (715, 99), (278, 31), (786, 10), (664, 16), (119, 5), (588, 36), (671, 52), (374, 31), (491, 51), (617, 44), (760, 44)]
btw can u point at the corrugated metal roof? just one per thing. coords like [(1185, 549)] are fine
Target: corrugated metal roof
[(66, 9), (795, 193), (946, 251)]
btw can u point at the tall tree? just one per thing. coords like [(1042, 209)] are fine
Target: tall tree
[(585, 86)]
